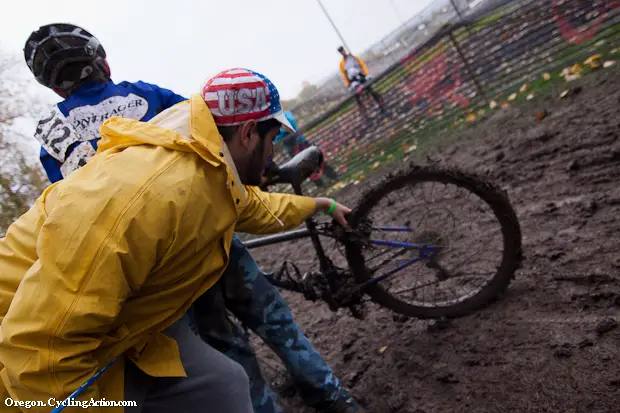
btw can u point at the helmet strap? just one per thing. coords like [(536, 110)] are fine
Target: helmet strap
[(107, 68), (62, 93)]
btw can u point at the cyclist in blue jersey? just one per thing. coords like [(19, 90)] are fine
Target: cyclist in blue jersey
[(72, 62), (293, 143), (69, 134)]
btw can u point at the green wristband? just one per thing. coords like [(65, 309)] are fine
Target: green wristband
[(331, 209)]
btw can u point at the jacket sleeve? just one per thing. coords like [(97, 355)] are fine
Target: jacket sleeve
[(51, 166), (169, 98), (93, 253), (344, 74), (362, 65), (256, 218), (17, 254)]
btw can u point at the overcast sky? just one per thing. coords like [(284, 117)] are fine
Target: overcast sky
[(179, 43)]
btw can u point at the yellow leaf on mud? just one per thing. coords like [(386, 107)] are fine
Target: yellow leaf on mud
[(547, 76), (412, 148), (571, 78), (481, 112), (471, 117), (512, 97), (593, 61), (493, 104), (362, 177), (564, 94), (523, 88), (382, 349), (576, 68), (376, 165)]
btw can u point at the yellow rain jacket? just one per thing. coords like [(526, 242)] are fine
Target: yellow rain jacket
[(343, 72), (112, 255)]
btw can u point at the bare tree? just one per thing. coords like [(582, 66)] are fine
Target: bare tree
[(21, 180)]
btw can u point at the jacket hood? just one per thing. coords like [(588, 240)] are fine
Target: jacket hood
[(187, 127)]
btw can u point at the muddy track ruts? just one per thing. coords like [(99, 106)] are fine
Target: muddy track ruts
[(551, 343)]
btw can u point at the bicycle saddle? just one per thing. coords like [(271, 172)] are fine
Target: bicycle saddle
[(300, 167)]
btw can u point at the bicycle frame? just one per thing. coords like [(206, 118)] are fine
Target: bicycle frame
[(325, 264)]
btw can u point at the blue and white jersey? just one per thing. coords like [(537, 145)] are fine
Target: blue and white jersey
[(69, 134)]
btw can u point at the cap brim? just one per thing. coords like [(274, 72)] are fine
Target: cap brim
[(280, 117)]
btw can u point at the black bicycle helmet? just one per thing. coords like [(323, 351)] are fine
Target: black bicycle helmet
[(61, 55)]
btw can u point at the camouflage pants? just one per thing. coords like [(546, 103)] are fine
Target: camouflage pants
[(261, 308)]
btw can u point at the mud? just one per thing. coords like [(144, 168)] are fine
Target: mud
[(551, 344)]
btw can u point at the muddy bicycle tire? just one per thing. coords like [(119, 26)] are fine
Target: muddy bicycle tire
[(491, 194)]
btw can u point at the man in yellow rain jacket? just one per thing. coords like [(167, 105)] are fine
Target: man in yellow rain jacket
[(109, 259)]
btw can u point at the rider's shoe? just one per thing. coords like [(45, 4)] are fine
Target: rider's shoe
[(342, 405)]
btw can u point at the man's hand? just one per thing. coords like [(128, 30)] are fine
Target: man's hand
[(339, 212)]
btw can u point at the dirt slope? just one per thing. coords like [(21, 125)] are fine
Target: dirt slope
[(550, 344)]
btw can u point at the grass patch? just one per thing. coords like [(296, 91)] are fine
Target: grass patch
[(439, 132)]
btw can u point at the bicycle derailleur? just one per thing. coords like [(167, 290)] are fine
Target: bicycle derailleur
[(336, 287)]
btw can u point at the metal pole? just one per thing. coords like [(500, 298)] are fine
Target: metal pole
[(471, 72), (403, 26), (334, 26), (457, 10)]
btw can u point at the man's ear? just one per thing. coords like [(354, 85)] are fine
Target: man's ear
[(247, 131)]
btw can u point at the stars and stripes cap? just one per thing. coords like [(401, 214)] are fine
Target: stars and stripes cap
[(237, 95)]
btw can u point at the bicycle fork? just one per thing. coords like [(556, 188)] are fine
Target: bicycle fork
[(325, 264)]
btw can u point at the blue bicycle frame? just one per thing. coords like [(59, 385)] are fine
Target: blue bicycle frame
[(311, 231)]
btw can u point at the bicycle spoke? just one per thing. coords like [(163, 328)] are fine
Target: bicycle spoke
[(473, 255), (383, 252), (417, 287), (389, 259), (445, 215)]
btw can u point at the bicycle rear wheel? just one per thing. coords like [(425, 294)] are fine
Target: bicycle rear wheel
[(448, 236)]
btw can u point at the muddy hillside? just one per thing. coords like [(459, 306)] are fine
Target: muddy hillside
[(551, 344)]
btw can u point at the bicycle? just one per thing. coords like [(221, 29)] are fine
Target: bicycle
[(346, 288), (351, 287), (340, 287)]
